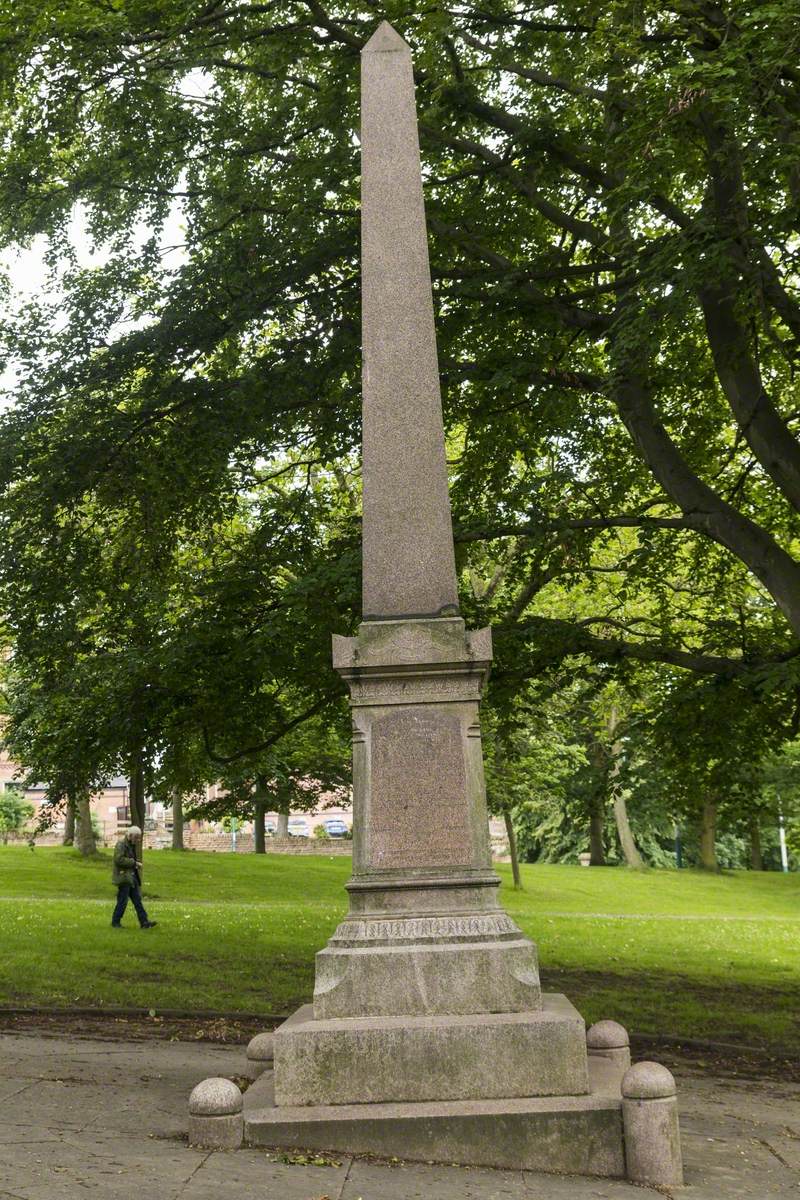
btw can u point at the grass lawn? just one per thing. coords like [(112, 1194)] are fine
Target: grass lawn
[(661, 951)]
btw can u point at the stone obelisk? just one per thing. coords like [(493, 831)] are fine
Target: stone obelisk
[(427, 967), (429, 1037)]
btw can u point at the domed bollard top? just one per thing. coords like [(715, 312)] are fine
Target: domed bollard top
[(215, 1097), (259, 1055), (609, 1040), (648, 1081), (606, 1035)]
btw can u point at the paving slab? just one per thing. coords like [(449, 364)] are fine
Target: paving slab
[(247, 1174), (98, 1120), (420, 1181)]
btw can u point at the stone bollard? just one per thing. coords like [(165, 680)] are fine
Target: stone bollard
[(650, 1123), (215, 1115), (259, 1055), (607, 1039)]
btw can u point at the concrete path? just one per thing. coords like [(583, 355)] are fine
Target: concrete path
[(85, 1119)]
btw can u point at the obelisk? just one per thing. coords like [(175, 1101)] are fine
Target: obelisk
[(407, 546), (429, 1037), (427, 970)]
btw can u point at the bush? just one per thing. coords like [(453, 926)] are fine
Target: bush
[(320, 832), (15, 811)]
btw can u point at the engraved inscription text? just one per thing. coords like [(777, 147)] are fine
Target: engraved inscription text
[(419, 811)]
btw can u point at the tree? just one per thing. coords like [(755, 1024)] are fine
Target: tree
[(588, 176), (612, 197), (180, 664), (308, 764), (15, 812)]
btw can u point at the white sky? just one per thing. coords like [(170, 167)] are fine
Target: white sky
[(30, 275), (28, 272)]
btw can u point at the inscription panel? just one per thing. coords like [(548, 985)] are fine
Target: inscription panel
[(419, 806)]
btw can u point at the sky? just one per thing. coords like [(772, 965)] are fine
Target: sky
[(29, 274)]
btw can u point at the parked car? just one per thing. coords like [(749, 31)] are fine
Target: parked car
[(298, 827), (270, 826), (335, 827)]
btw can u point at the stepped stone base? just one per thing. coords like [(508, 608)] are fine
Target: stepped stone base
[(579, 1135), (375, 1060)]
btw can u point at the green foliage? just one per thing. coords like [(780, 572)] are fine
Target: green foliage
[(612, 195), (15, 811)]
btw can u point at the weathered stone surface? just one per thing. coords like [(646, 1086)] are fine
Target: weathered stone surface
[(409, 565), (418, 812), (421, 842), (648, 1081), (420, 829), (650, 1121), (607, 1035), (259, 1054), (735, 1134), (216, 1133), (575, 1134), (609, 1040), (215, 1097), (372, 1060), (454, 976), (261, 1046)]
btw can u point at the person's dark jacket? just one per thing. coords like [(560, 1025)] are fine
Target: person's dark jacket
[(124, 869)]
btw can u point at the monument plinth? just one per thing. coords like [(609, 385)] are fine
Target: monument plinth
[(428, 1035)]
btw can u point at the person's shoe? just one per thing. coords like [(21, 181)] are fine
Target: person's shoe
[(115, 925), (149, 925)]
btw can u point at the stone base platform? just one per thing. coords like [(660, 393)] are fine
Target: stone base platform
[(378, 1060), (581, 1135)]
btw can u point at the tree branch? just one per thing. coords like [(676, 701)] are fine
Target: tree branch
[(570, 639), (491, 533), (224, 759)]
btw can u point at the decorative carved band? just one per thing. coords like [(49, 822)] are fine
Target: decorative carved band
[(414, 929), (419, 690)]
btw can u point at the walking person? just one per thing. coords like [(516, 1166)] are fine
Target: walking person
[(127, 878)]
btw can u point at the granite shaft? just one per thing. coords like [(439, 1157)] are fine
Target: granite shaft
[(408, 559)]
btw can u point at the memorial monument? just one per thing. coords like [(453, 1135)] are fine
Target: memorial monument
[(429, 1036)]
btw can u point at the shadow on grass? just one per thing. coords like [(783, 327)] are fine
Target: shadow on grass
[(666, 1004)]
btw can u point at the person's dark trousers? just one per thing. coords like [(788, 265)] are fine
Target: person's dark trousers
[(125, 892)]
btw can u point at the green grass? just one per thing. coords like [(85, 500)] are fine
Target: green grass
[(662, 951)]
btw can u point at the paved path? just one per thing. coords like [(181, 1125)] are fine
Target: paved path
[(85, 1119)]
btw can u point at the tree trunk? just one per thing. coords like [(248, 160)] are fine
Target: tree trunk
[(84, 834), (708, 837), (69, 825), (756, 857), (136, 794), (259, 812), (282, 830), (259, 830), (177, 820), (630, 851), (512, 849), (704, 509), (596, 821)]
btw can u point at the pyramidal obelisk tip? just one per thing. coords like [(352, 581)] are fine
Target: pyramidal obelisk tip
[(385, 39)]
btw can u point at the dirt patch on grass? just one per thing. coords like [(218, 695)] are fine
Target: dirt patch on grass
[(684, 1056), (736, 1052), (225, 1029)]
